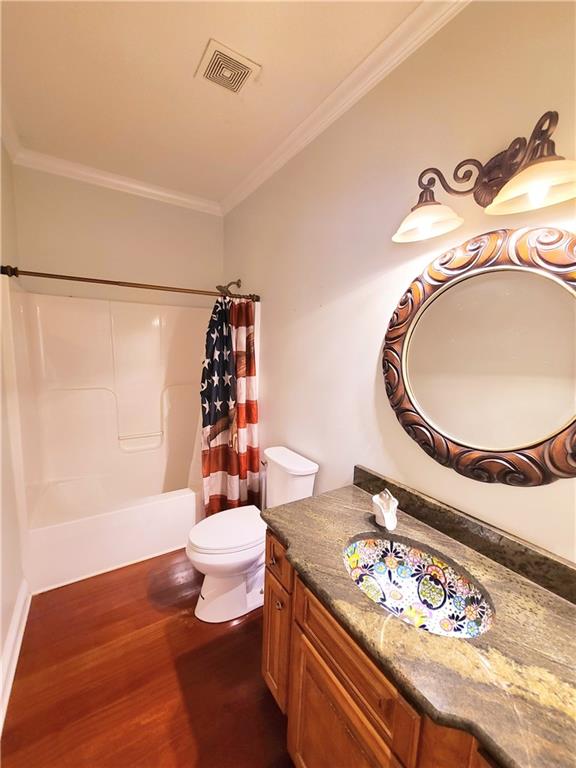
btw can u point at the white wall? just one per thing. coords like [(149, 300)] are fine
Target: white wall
[(12, 573), (14, 590), (315, 241), (70, 227), (9, 246)]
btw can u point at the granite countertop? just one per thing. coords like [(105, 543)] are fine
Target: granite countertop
[(513, 687)]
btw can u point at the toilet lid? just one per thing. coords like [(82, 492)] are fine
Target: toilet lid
[(290, 461), (230, 531)]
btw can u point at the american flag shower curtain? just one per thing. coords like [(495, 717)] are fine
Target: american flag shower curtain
[(230, 453)]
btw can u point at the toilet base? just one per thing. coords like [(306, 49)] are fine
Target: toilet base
[(223, 598)]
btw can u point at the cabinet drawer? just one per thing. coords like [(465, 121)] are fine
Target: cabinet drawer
[(276, 562), (391, 715)]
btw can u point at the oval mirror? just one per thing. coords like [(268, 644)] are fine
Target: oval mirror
[(480, 357), (491, 362)]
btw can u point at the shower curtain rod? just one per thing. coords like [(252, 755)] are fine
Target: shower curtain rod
[(223, 290)]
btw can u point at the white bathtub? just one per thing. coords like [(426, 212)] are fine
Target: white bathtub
[(65, 552)]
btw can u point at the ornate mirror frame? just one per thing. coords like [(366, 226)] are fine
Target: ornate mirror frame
[(545, 250)]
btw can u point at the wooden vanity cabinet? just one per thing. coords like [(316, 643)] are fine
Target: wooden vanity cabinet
[(342, 710)]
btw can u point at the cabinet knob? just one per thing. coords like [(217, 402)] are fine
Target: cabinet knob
[(279, 605), (272, 559)]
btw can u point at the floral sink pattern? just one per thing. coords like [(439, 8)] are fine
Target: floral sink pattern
[(418, 587)]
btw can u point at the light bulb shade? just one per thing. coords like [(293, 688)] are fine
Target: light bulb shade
[(544, 183), (427, 221)]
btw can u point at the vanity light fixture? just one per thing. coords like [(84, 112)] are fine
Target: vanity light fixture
[(427, 219), (526, 176)]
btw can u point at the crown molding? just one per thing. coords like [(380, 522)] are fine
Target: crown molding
[(28, 158), (38, 161), (427, 19)]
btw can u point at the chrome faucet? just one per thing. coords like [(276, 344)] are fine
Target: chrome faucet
[(384, 506)]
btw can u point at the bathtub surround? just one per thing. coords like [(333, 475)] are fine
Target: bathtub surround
[(315, 240), (116, 407), (512, 687), (110, 430)]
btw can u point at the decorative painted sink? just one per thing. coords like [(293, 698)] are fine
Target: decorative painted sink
[(418, 587)]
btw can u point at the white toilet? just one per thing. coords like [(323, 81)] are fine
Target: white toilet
[(229, 547)]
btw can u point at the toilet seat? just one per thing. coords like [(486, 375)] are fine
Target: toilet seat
[(233, 530)]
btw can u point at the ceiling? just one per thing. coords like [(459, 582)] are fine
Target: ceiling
[(111, 85)]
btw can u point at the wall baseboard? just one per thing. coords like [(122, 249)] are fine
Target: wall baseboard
[(11, 650)]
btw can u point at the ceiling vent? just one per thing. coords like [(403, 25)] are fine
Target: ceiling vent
[(225, 67)]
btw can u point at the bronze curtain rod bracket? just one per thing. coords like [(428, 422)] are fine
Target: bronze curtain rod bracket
[(225, 291), (499, 169), (10, 271)]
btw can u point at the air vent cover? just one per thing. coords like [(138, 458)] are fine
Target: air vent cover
[(225, 67)]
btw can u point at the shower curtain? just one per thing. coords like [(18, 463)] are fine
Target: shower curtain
[(230, 453)]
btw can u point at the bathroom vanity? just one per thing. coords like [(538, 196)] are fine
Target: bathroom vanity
[(361, 687), (341, 708)]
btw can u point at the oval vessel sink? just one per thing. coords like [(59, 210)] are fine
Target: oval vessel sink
[(418, 587)]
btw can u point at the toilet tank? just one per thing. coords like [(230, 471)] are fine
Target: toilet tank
[(289, 476)]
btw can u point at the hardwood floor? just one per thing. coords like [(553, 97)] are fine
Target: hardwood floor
[(115, 671)]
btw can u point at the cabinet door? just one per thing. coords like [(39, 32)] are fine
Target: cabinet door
[(276, 639), (394, 719), (325, 725)]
